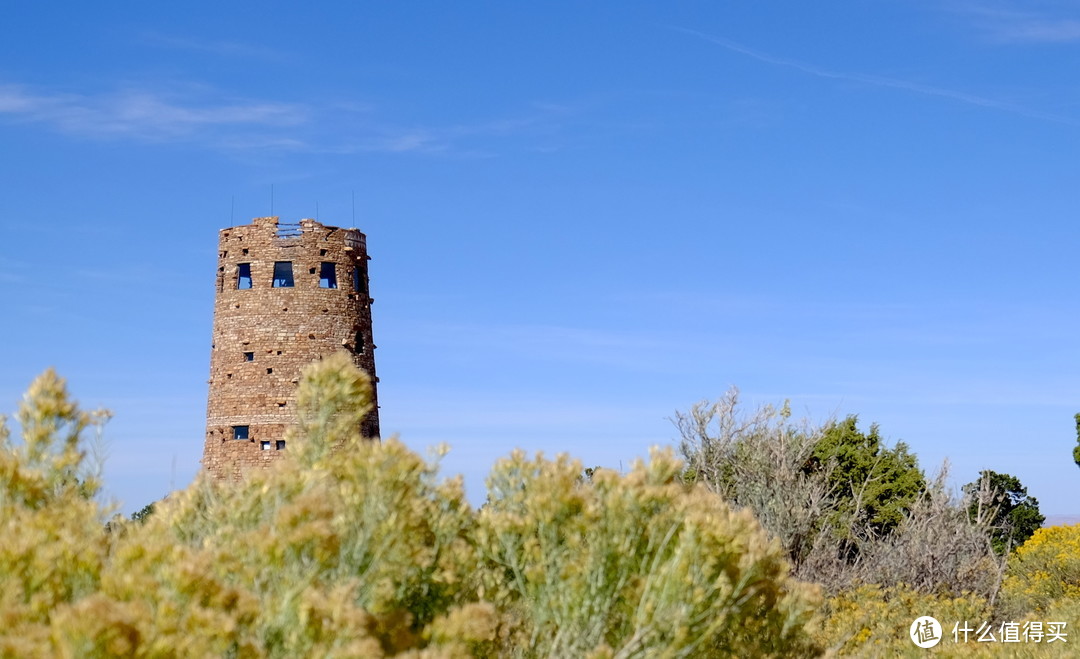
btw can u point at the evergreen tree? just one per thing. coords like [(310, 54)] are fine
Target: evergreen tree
[(1003, 501)]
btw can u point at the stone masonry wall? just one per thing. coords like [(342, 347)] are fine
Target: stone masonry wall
[(264, 335)]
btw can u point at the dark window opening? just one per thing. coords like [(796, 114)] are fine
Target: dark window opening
[(322, 252), (269, 371), (311, 271), (280, 445), (327, 275), (360, 344), (283, 274), (249, 356), (244, 251), (239, 432), (243, 275), (359, 280)]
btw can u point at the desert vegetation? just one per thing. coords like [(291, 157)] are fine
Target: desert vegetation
[(770, 537)]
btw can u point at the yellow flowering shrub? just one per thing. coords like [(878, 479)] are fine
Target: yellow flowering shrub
[(871, 621), (1044, 572), (641, 565), (52, 548)]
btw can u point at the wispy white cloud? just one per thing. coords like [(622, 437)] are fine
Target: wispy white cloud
[(461, 140), (1023, 22), (1042, 30), (203, 116), (140, 113), (880, 81)]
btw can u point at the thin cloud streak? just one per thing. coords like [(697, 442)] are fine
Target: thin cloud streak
[(880, 81), (137, 113), (1020, 24), (250, 125)]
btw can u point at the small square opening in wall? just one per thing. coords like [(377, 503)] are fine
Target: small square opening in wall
[(269, 371), (280, 445), (322, 252), (249, 356), (240, 432), (265, 446)]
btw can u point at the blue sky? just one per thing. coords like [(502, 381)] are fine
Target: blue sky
[(583, 216)]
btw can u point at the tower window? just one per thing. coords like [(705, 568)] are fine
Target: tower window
[(359, 280), (280, 445), (243, 275), (239, 432), (327, 275), (360, 343), (283, 274), (264, 445), (249, 356)]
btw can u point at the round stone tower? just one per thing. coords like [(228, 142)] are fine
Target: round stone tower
[(287, 294)]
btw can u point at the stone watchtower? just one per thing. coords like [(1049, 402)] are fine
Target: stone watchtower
[(287, 294)]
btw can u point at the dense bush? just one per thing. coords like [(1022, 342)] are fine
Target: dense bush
[(1044, 572), (871, 621), (352, 548), (635, 565), (847, 509)]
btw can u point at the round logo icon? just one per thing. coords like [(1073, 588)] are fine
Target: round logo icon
[(925, 632)]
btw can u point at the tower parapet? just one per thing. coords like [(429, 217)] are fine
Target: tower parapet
[(287, 294)]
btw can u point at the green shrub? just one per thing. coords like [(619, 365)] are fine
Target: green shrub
[(640, 565)]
